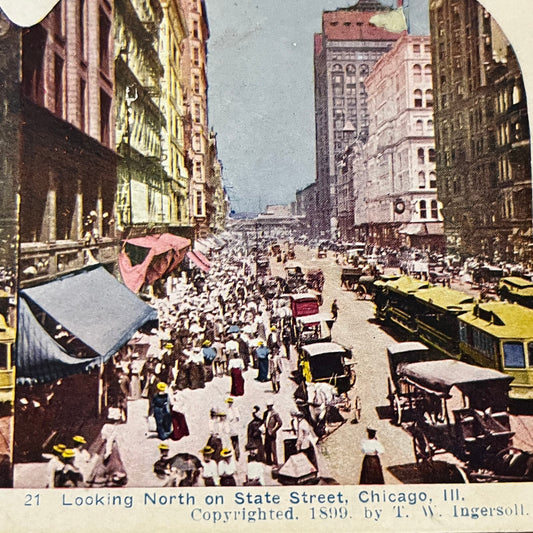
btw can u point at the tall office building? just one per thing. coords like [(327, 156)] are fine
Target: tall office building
[(344, 55)]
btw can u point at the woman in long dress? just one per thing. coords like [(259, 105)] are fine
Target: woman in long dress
[(371, 471), (255, 434), (161, 410), (180, 428), (236, 366)]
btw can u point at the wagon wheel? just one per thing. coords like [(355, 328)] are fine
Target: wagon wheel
[(350, 284), (422, 449), (360, 292), (396, 410), (357, 409)]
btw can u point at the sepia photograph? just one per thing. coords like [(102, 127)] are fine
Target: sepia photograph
[(283, 247)]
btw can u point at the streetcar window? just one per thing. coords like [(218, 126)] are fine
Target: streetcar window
[(530, 354), (3, 356), (513, 354)]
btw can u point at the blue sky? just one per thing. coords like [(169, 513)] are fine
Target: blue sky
[(261, 104)]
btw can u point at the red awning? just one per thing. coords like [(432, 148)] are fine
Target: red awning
[(199, 260), (163, 254)]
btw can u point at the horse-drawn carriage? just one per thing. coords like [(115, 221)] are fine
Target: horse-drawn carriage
[(457, 410), (314, 279), (354, 279)]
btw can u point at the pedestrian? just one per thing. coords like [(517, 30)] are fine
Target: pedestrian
[(196, 369), (371, 470), (214, 441), (227, 468), (286, 339), (334, 310), (255, 475), (273, 340), (209, 467), (83, 460), (161, 411), (69, 476), (180, 428), (262, 353), (209, 353), (275, 368), (234, 426), (162, 465), (255, 431), (55, 466), (235, 367), (273, 423), (305, 438)]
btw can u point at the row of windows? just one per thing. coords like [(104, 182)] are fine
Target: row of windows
[(419, 126), (417, 71), (431, 157), (419, 98), (364, 70), (423, 209), (417, 48), (422, 180)]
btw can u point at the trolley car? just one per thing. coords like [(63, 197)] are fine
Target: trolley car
[(497, 335)]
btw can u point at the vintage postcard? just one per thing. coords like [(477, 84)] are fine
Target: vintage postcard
[(266, 265)]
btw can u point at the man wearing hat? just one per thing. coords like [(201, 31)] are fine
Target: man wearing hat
[(209, 467), (83, 459), (273, 424), (227, 468), (255, 475), (162, 465), (234, 425), (69, 475), (305, 438), (55, 465), (262, 353)]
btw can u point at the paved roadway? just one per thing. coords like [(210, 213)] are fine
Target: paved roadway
[(354, 328)]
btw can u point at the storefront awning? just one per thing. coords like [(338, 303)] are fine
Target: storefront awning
[(199, 260), (92, 306), (147, 259)]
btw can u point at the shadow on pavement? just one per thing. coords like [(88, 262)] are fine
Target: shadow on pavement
[(439, 472)]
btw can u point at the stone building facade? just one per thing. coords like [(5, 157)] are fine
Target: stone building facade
[(401, 182), (194, 75), (68, 179), (344, 55), (482, 134)]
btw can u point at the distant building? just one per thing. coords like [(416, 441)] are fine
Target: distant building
[(344, 55), (194, 76), (401, 183), (482, 134)]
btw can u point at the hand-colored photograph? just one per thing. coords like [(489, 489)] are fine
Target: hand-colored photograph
[(278, 243)]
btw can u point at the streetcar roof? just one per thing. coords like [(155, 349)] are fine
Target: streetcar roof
[(442, 375), (324, 348), (516, 281), (501, 319), (445, 298), (407, 284)]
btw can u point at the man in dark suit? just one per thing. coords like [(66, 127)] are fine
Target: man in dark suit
[(273, 423)]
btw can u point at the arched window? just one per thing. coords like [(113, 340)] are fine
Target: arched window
[(431, 155), (430, 125), (350, 69), (421, 180), (429, 98), (432, 180), (420, 156), (364, 70), (434, 209), (419, 128), (423, 209), (418, 97), (417, 72), (427, 71)]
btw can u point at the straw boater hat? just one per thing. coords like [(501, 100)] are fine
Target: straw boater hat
[(161, 386), (59, 448), (163, 447), (229, 400), (207, 450), (79, 439), (207, 343), (69, 453), (226, 452)]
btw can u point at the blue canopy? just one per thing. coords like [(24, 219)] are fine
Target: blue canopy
[(91, 305)]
